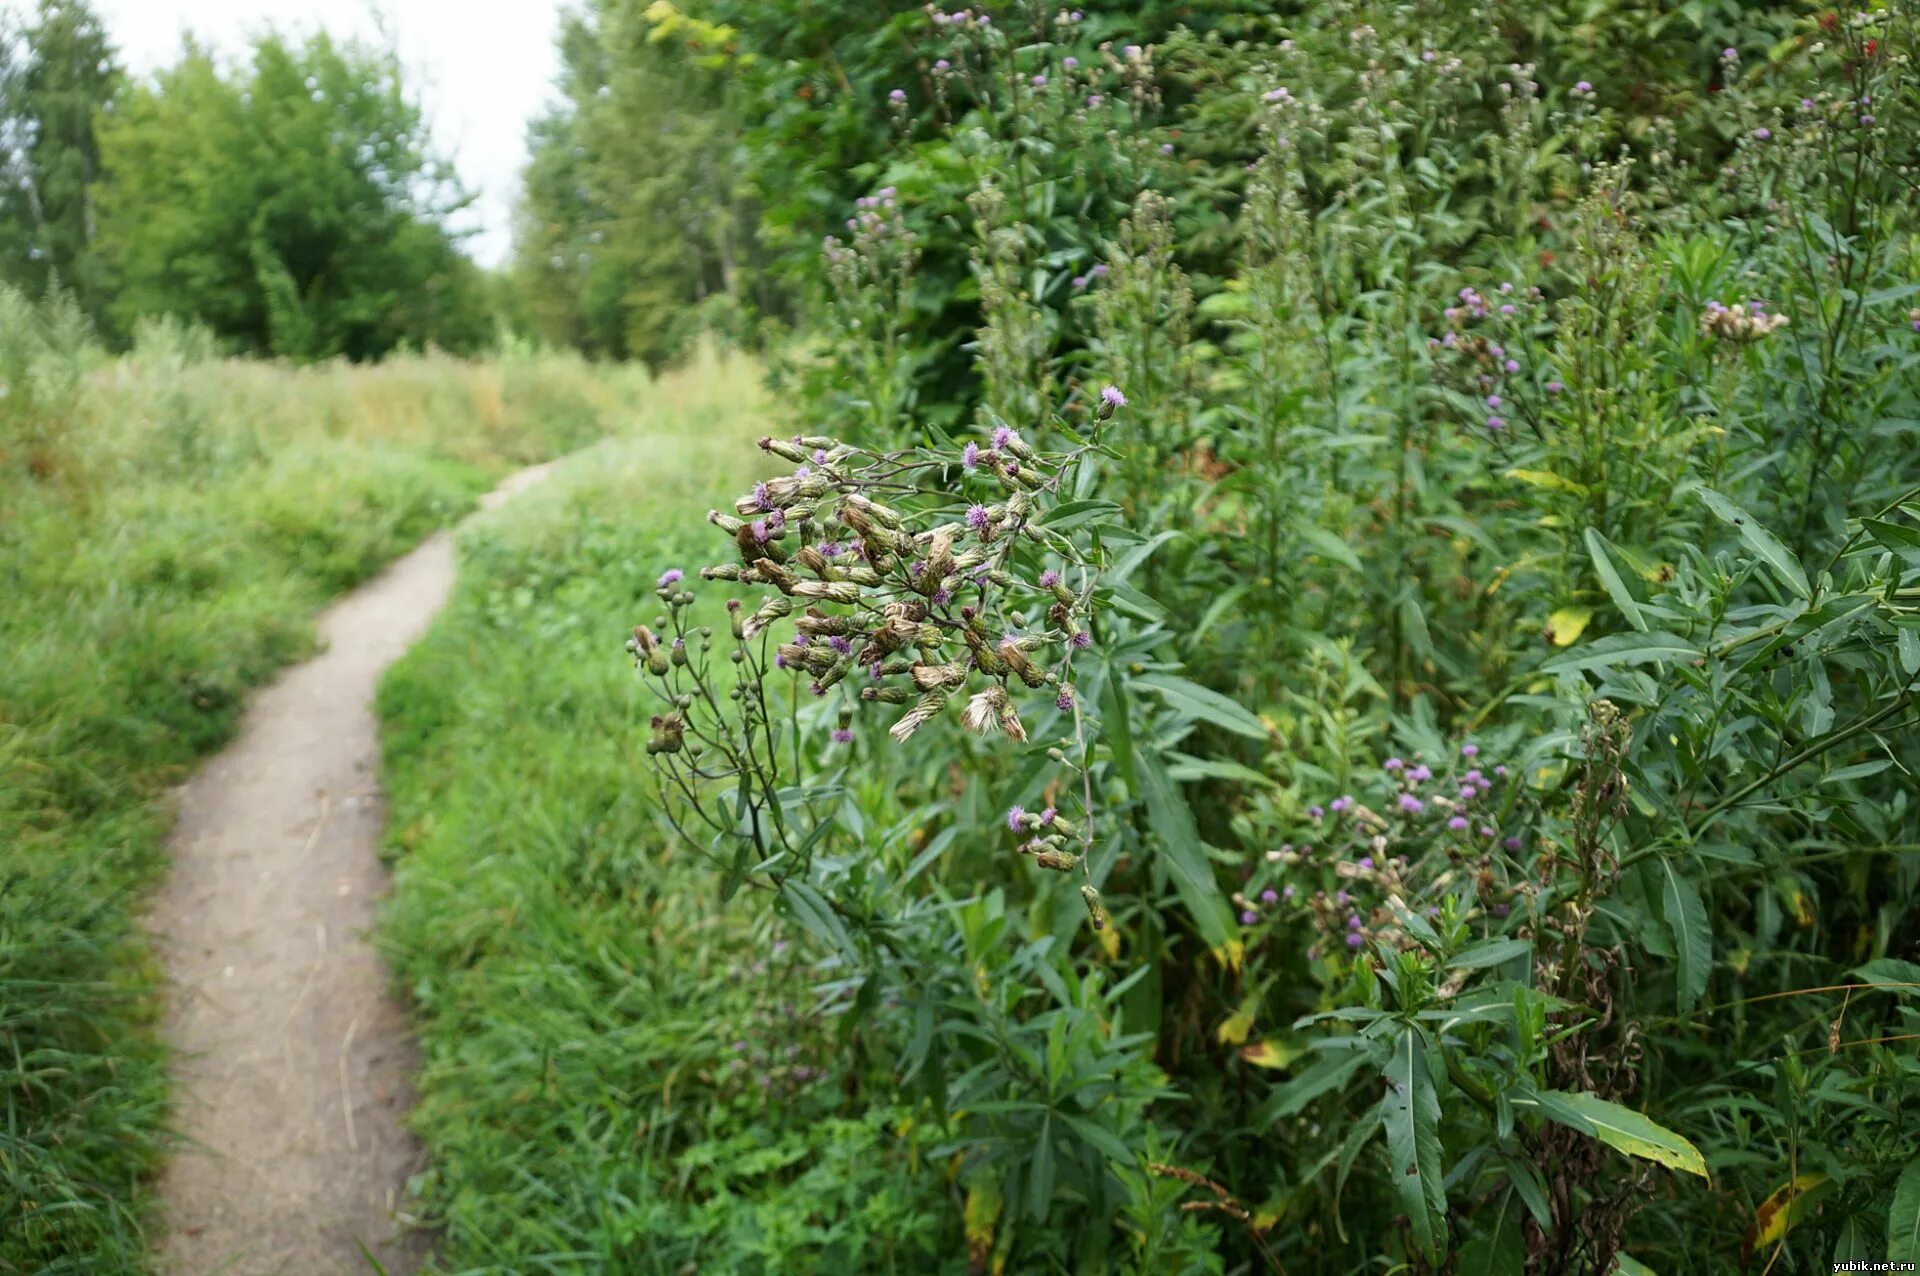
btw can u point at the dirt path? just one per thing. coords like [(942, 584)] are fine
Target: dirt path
[(293, 1062)]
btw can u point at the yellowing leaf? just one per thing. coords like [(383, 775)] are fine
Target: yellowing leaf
[(1618, 1127), (1547, 479), (1269, 1054), (1237, 1026), (1565, 626), (1778, 1213)]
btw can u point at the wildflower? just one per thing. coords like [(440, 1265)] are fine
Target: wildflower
[(1511, 365), (1411, 804), (1110, 399), (898, 96), (1315, 812), (1555, 387), (1287, 893), (1049, 815), (1496, 423), (1493, 400), (1355, 939), (1083, 640), (979, 519), (1341, 898), (1353, 921), (1458, 823), (1512, 843), (1064, 701), (1049, 578), (1079, 282), (1016, 818), (1486, 830), (991, 708), (942, 65), (1249, 917), (1039, 81), (1366, 862), (842, 735), (672, 576), (1729, 54), (1004, 437), (1394, 764), (1762, 134), (1166, 148), (1269, 896), (1583, 88), (1070, 62), (1420, 774), (1342, 803), (970, 456), (1469, 750)]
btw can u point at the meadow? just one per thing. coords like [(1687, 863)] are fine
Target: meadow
[(169, 523)]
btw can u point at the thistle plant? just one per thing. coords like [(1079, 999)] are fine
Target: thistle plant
[(920, 580)]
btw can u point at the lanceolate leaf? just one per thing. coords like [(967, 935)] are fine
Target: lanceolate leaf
[(1600, 551), (1624, 649), (1760, 541), (1412, 1117), (1200, 702), (1618, 1127), (1692, 940), (1903, 1220), (1185, 858)]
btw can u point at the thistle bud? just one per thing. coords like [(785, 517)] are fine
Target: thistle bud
[(922, 713), (771, 610), (1094, 908), (842, 592), (1058, 861), (784, 450), (725, 522)]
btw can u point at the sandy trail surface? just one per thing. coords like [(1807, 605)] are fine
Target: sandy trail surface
[(292, 1058)]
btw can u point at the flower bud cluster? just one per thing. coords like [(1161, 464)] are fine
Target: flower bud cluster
[(1740, 322)]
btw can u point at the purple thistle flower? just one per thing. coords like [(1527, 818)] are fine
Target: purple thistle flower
[(1496, 423), (671, 576), (1341, 898), (761, 499), (1511, 365), (1049, 578), (1003, 437), (978, 518), (1048, 816), (1315, 812), (842, 735), (1269, 896), (1469, 750), (1458, 823), (1039, 81), (1555, 387), (897, 96), (874, 670), (1249, 917), (1486, 830), (1420, 774), (1016, 818), (1342, 803), (970, 456), (1493, 400), (1583, 87), (1411, 804), (759, 529), (1064, 701), (1287, 893), (1513, 843), (1083, 640), (1111, 396), (819, 690), (1366, 862), (1079, 282), (1353, 921), (1393, 764), (1355, 939), (941, 597), (831, 549), (1762, 134), (840, 645)]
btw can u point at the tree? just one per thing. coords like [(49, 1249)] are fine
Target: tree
[(634, 210), (57, 73), (293, 205)]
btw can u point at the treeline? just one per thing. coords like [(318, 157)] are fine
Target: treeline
[(289, 201)]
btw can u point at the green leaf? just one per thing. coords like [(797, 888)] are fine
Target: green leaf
[(1627, 1265), (1760, 541), (1500, 1250), (1686, 919), (1197, 701), (1185, 858), (1624, 649), (1493, 952), (1898, 537), (1903, 1219), (1600, 551), (1329, 1073), (1412, 1117), (1618, 1127), (1332, 546)]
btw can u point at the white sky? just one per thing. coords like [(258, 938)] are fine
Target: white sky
[(482, 69)]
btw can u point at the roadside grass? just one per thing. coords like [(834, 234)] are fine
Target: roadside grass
[(169, 523), (620, 1074)]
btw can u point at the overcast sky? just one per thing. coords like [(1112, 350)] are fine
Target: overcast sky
[(483, 68)]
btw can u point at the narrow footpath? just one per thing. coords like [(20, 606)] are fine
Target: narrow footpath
[(292, 1059)]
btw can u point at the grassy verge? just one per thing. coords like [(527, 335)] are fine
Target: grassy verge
[(620, 1075), (168, 525)]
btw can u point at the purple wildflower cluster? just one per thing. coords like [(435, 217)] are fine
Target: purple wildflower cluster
[(1740, 322), (1419, 835), (1482, 348)]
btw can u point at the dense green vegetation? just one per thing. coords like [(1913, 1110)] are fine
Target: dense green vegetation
[(1318, 670), (1421, 516), (169, 521)]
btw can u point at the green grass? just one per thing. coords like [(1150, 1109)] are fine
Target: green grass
[(168, 526), (595, 1025)]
